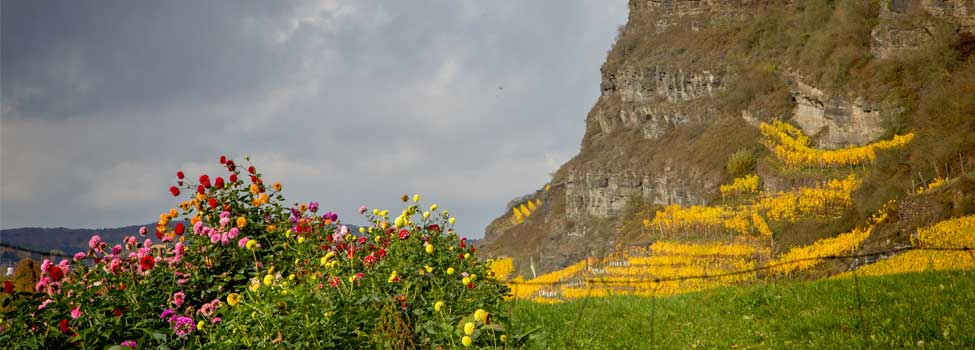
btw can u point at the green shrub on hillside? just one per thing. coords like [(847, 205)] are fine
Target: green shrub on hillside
[(741, 162)]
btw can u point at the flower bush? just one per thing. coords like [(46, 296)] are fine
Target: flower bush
[(234, 267)]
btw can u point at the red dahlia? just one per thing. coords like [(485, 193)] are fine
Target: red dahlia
[(147, 262), (174, 191), (200, 189), (223, 159), (205, 180), (179, 229), (251, 169), (233, 178), (218, 182), (212, 202), (63, 326), (56, 273), (8, 287), (179, 175)]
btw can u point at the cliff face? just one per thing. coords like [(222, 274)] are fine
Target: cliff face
[(684, 86)]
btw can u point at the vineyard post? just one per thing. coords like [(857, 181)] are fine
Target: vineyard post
[(585, 304), (971, 254), (856, 286), (653, 314), (961, 164)]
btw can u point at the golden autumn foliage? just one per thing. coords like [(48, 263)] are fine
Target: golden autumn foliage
[(937, 182), (524, 210), (502, 268), (954, 233), (678, 217), (530, 288), (745, 184), (518, 218), (793, 147), (655, 271), (809, 201), (844, 244), (751, 218), (761, 226), (809, 255)]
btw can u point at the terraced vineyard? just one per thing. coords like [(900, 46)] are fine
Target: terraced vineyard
[(670, 268)]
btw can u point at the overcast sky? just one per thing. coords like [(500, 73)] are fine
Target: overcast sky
[(348, 102)]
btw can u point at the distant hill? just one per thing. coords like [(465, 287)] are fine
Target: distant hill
[(62, 240), (57, 239)]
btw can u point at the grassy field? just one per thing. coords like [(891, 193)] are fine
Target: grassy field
[(934, 310)]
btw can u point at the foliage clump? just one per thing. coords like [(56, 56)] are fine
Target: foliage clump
[(235, 267)]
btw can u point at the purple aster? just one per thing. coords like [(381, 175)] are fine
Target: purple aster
[(313, 206), (167, 314)]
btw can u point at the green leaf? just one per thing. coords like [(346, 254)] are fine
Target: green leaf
[(159, 336)]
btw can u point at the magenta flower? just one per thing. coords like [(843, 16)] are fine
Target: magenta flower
[(167, 314), (183, 326), (116, 249), (178, 298), (95, 242), (242, 242), (79, 256), (41, 285), (313, 207), (362, 209), (208, 308), (76, 312), (64, 265), (129, 344), (232, 234), (143, 230)]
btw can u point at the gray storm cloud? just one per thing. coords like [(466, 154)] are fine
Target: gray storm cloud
[(469, 103)]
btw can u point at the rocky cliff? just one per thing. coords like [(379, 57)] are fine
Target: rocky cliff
[(685, 86)]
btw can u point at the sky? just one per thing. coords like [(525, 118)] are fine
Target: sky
[(469, 103)]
